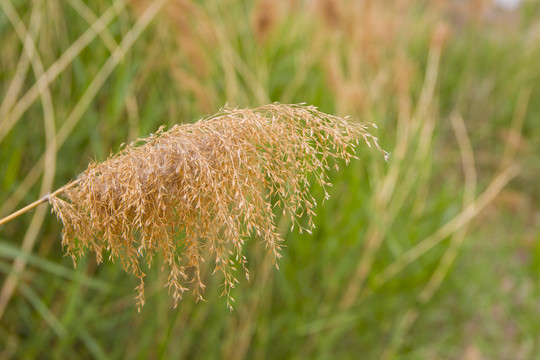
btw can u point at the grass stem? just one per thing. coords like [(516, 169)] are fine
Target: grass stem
[(36, 203)]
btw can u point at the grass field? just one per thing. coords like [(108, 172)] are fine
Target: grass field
[(433, 255)]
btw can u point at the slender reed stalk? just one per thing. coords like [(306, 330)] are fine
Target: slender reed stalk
[(36, 203), (204, 188)]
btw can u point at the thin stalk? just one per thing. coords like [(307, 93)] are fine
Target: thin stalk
[(36, 203)]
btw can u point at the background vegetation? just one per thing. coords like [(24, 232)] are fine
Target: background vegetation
[(435, 255)]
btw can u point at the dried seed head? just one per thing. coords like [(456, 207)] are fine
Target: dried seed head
[(204, 188)]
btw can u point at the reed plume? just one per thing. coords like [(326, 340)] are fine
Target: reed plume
[(203, 189)]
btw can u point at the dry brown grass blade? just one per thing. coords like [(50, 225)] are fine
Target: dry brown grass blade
[(28, 37), (204, 189)]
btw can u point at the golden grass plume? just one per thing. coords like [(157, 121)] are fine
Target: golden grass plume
[(204, 188)]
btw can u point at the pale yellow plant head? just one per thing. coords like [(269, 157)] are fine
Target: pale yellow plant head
[(205, 188)]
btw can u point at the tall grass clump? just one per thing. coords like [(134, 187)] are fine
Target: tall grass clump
[(204, 188)]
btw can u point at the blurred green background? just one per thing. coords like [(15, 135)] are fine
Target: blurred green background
[(434, 255)]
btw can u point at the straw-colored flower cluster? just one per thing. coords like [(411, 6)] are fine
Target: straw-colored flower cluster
[(204, 188)]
